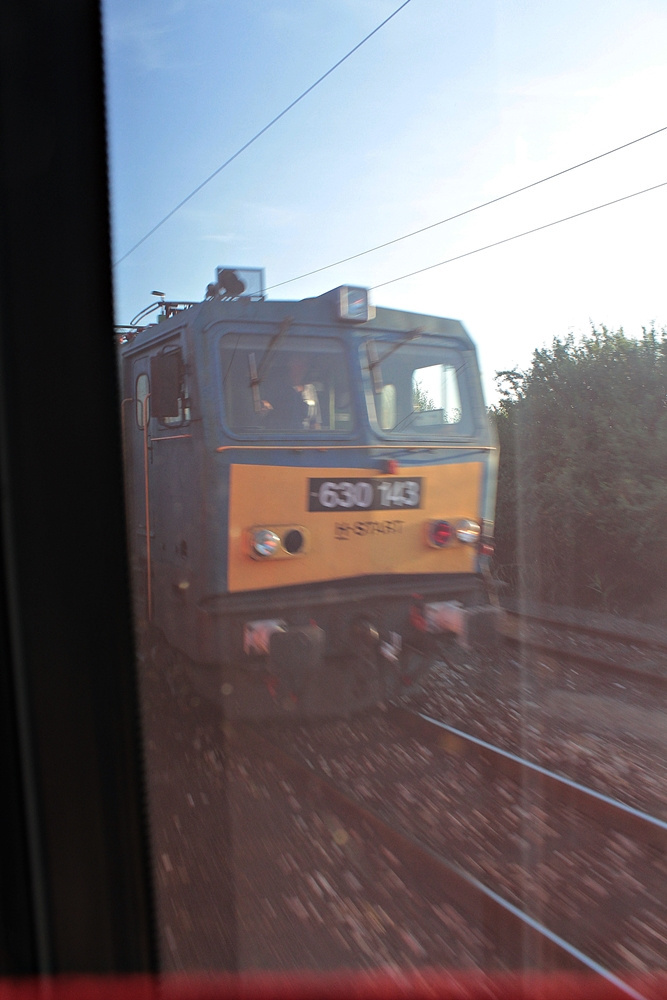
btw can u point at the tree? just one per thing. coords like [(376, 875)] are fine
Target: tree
[(420, 397), (583, 472)]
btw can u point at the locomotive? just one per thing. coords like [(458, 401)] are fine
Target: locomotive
[(310, 493)]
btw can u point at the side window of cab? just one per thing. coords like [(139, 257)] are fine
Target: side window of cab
[(142, 400), (170, 401)]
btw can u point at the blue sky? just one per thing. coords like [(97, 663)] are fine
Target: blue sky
[(449, 105)]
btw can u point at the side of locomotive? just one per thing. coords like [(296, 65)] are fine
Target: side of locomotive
[(310, 495)]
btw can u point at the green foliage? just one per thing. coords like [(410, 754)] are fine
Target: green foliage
[(420, 397), (582, 492)]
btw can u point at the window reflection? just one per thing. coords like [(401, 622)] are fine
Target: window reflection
[(142, 400), (298, 385), (419, 389)]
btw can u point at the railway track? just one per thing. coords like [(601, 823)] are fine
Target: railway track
[(595, 624), (557, 789), (621, 648), (603, 727), (509, 910), (523, 940)]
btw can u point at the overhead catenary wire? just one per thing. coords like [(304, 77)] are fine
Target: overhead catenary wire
[(468, 211), (517, 236), (257, 135)]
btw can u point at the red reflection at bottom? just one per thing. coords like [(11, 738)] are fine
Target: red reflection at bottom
[(389, 985)]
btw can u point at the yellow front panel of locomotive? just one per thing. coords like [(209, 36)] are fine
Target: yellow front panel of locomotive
[(346, 543)]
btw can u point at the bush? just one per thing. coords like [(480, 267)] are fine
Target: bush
[(582, 491)]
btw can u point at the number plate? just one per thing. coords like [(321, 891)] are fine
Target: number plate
[(364, 494)]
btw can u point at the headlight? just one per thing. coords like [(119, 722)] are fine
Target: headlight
[(468, 531), (264, 543), (277, 541)]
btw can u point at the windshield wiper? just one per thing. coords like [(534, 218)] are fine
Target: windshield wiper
[(374, 361), (258, 373)]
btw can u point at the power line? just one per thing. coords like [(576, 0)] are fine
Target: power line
[(468, 211), (260, 133), (518, 236)]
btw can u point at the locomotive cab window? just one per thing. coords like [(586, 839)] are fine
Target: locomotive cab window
[(435, 394), (142, 398), (292, 385), (170, 395), (417, 389)]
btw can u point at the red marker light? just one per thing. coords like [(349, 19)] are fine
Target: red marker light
[(391, 466), (440, 534)]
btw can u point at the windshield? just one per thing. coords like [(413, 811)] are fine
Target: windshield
[(274, 385), (417, 389)]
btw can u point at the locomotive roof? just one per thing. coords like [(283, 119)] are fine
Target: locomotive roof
[(317, 312)]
